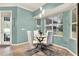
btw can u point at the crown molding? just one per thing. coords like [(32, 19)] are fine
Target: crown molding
[(39, 7), (59, 9), (16, 5), (24, 8)]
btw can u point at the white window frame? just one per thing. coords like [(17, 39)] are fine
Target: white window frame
[(2, 34), (47, 25), (52, 28), (57, 34), (73, 23), (38, 26)]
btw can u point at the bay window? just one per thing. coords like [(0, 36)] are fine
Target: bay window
[(55, 24), (74, 24)]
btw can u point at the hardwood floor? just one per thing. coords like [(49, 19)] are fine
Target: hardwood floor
[(20, 50)]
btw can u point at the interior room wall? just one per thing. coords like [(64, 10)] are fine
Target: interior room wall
[(22, 21), (64, 41), (14, 18), (25, 22)]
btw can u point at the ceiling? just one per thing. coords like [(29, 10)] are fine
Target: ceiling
[(56, 10), (29, 6), (32, 6)]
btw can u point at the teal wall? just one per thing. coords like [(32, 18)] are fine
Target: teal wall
[(14, 18), (47, 6), (21, 18), (64, 41), (26, 21)]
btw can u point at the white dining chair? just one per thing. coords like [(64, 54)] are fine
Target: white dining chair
[(35, 34), (30, 38), (49, 37)]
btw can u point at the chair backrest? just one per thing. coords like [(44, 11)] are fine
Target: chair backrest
[(49, 37), (36, 33), (30, 37)]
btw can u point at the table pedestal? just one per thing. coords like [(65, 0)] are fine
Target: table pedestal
[(41, 47)]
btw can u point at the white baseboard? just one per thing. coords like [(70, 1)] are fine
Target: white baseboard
[(65, 49), (53, 44), (19, 44)]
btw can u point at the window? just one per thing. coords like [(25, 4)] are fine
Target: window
[(6, 26), (48, 24), (55, 24), (6, 22), (38, 21), (74, 24), (58, 25)]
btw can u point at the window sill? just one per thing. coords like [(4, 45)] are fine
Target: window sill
[(48, 25), (59, 35), (73, 38), (38, 26)]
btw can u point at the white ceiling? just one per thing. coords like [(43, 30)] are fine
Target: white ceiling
[(32, 6), (59, 9), (29, 6)]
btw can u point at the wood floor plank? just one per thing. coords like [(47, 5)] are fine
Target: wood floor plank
[(20, 50)]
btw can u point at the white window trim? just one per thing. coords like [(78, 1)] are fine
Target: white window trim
[(59, 35), (52, 28), (59, 24), (72, 23), (46, 26), (10, 28), (38, 26)]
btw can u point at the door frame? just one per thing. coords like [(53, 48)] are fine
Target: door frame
[(0, 29), (3, 43)]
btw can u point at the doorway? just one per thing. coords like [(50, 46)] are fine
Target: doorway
[(5, 27)]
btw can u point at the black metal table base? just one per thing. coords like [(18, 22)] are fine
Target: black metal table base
[(41, 47)]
